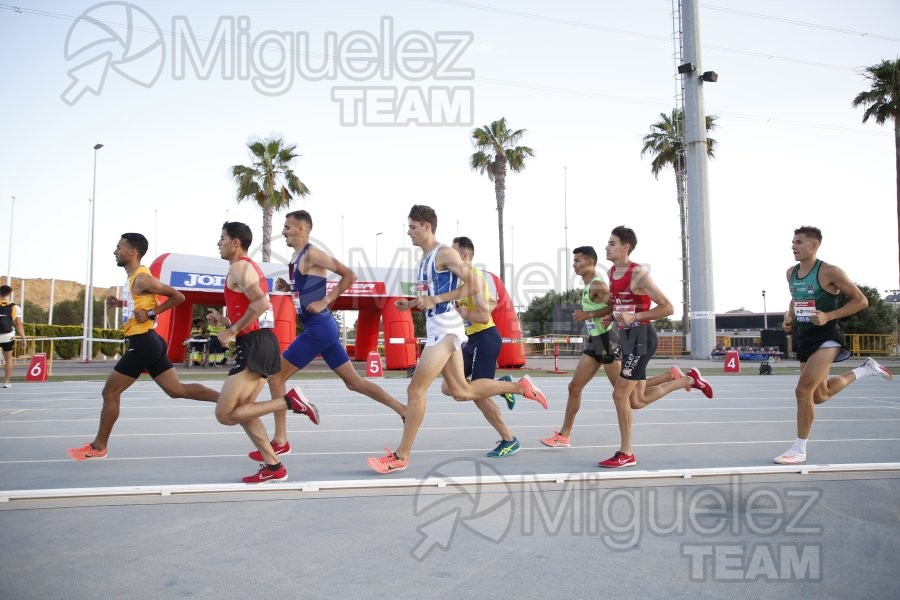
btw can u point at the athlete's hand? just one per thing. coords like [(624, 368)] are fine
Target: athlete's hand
[(788, 324), (316, 307), (820, 318), (581, 315), (606, 320), (426, 302), (404, 303), (281, 285), (217, 317), (226, 336)]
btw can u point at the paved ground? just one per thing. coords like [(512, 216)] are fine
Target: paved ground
[(162, 517)]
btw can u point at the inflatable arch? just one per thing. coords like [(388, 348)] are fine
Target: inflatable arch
[(201, 280)]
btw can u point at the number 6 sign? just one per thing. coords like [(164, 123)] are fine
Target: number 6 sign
[(37, 370)]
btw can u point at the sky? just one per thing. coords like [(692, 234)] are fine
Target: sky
[(584, 79)]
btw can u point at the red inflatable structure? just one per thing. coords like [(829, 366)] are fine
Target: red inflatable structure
[(201, 280)]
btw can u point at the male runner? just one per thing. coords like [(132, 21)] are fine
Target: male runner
[(308, 268), (440, 274), (812, 315), (632, 290), (145, 350)]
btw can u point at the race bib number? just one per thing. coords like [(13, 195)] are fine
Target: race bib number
[(421, 288), (621, 309), (804, 310), (295, 297), (267, 320), (592, 327)]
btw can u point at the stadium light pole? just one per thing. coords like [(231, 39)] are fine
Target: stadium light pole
[(376, 247), (765, 314), (12, 212), (87, 345)]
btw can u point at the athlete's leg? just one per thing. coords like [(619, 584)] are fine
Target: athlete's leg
[(430, 364), (277, 389), (357, 384), (239, 391), (813, 376), (171, 385), (585, 370), (115, 384)]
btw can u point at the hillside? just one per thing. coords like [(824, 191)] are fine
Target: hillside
[(38, 291)]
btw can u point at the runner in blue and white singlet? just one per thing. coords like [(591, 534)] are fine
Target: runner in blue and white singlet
[(443, 319)]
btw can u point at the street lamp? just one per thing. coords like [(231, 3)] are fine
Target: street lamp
[(566, 220), (765, 314), (12, 210), (376, 247), (87, 345)]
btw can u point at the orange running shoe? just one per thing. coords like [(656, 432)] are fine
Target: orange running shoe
[(556, 441), (387, 463), (532, 392), (85, 452), (677, 374)]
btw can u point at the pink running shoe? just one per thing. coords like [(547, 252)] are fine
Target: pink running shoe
[(86, 452), (532, 392), (677, 374), (387, 463), (557, 441), (700, 383), (279, 451), (301, 404), (266, 475)]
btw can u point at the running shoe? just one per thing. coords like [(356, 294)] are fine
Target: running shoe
[(280, 450), (510, 398), (85, 452), (677, 374), (505, 448), (265, 475), (870, 365), (7, 385), (791, 457), (300, 404), (388, 463), (556, 441), (532, 392), (619, 459), (700, 383)]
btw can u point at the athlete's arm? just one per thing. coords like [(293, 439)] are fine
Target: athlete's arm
[(599, 293), (834, 276), (148, 284), (642, 283), (243, 278), (788, 324), (319, 259), (448, 259)]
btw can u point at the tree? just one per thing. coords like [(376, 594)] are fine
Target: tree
[(496, 150), (538, 317), (882, 103), (877, 318), (665, 143), (33, 312), (270, 181)]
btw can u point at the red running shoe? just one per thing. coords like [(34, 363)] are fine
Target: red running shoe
[(279, 451), (700, 383), (301, 404), (619, 459), (265, 475)]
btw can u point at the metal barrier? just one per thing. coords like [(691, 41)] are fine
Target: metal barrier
[(37, 345), (868, 344)]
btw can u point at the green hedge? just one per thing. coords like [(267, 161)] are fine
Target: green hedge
[(68, 349)]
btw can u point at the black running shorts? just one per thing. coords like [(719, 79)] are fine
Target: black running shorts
[(604, 348), (638, 347), (144, 352), (257, 352)]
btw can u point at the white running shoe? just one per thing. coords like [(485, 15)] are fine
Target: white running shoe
[(7, 385), (791, 457), (872, 366)]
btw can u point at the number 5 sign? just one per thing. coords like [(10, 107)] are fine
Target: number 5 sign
[(373, 366), (37, 370)]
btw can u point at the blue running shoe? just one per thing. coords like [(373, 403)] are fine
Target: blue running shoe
[(505, 448), (510, 398)]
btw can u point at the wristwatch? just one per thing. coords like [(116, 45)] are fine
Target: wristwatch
[(151, 315)]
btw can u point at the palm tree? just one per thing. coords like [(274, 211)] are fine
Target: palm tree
[(665, 143), (495, 152), (882, 102), (269, 180)]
